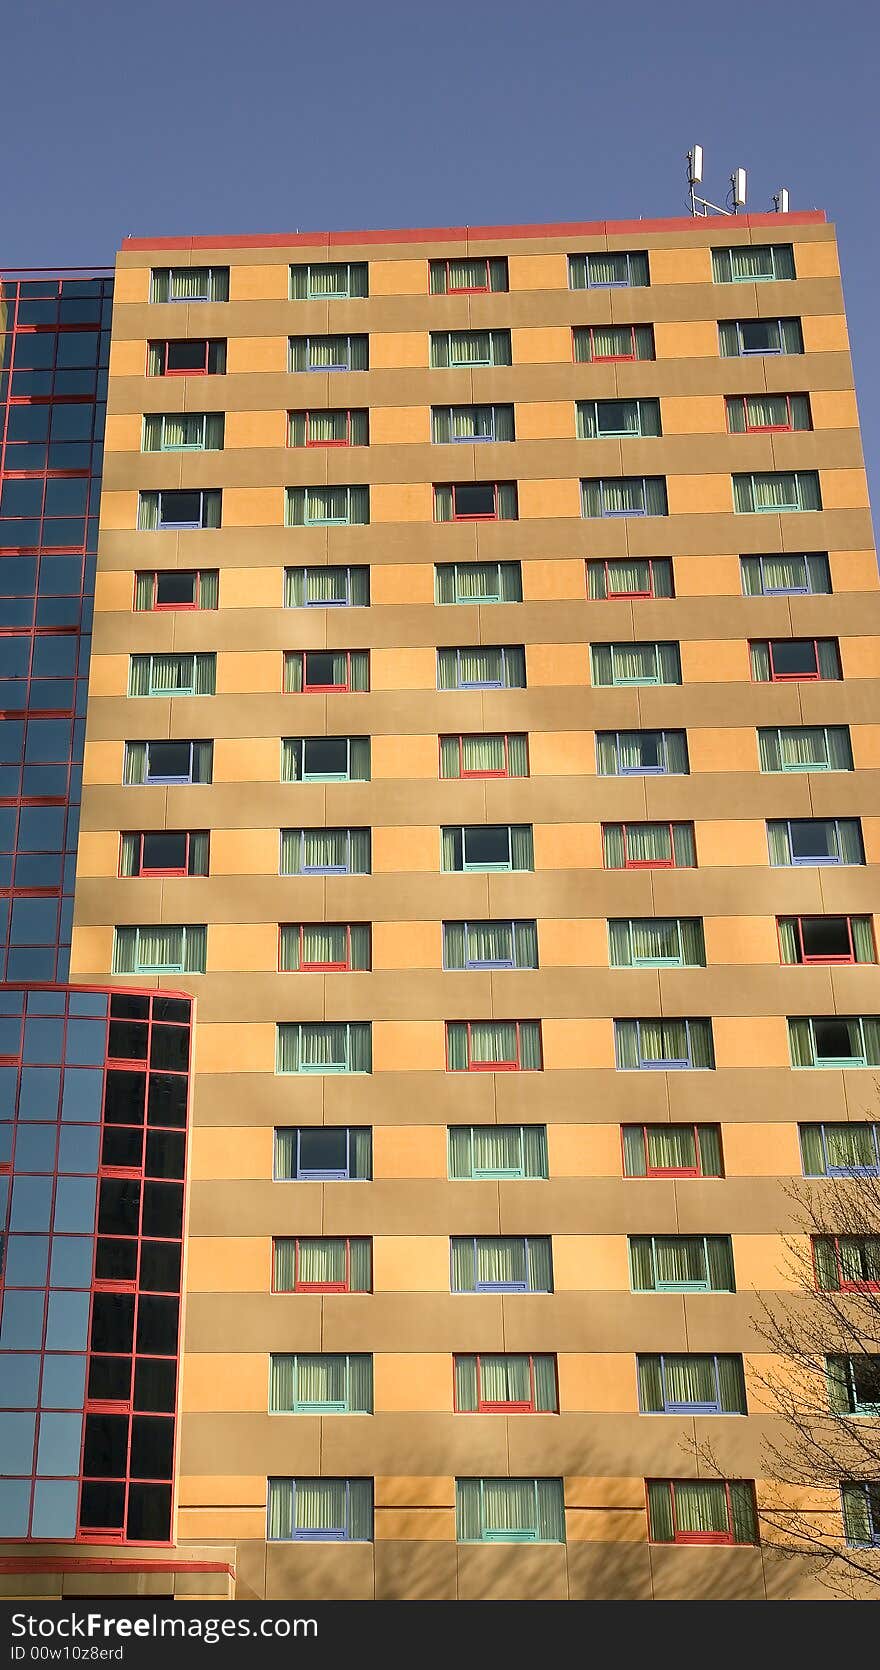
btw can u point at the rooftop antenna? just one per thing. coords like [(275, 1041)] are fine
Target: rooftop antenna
[(701, 205), (780, 200)]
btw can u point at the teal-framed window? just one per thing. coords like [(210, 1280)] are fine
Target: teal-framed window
[(744, 338), (328, 427), (607, 269), (173, 675), (792, 574), (456, 348), (487, 847), (326, 507), (664, 1045), (328, 353), (681, 1264), (179, 509), (633, 495), (776, 491), (324, 1047), (656, 942), (642, 754), (598, 343), (626, 577), (494, 944), (471, 424), (834, 1040), (320, 1383), (328, 280), (671, 1150), (320, 1510), (323, 1154), (649, 663), (615, 419), (467, 275), (482, 667), (815, 841), (493, 1152), (509, 1510), (334, 587), (840, 1150), (691, 1383), (702, 1511), (478, 582), (846, 1263), (767, 414), (493, 1047), (505, 1383), (805, 748), (160, 950), (500, 1264), (189, 284), (183, 432), (860, 1505), (854, 1384), (325, 759), (752, 263)]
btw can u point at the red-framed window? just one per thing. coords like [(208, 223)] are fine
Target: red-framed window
[(702, 1512), (846, 1263), (493, 1046), (475, 501), (527, 1380), (625, 577), (787, 660), (326, 671), (767, 414), (817, 940), (324, 947), (484, 754), (467, 276), (649, 846), (322, 1264), (172, 589), (671, 1150), (623, 338), (186, 357), (328, 427), (164, 852)]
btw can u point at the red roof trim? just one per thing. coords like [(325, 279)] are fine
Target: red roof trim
[(462, 234), (18, 1564)]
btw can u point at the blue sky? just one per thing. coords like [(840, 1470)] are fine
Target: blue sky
[(184, 116)]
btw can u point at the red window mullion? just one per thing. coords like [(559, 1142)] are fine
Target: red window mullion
[(649, 863), (493, 1066), (483, 516), (792, 678), (623, 594), (321, 1287), (606, 359), (345, 442), (466, 289)]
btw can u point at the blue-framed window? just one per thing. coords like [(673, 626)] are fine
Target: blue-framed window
[(183, 432), (323, 1153), (326, 507), (845, 1150), (329, 353), (320, 1510), (607, 269), (805, 748), (478, 582), (324, 1047), (189, 284), (172, 675), (793, 574), (456, 348), (489, 945), (482, 667), (451, 424), (693, 1383), (834, 1040), (627, 663), (860, 1503), (681, 1264), (739, 338), (160, 950), (632, 495), (598, 420), (753, 263), (320, 1383), (776, 491), (500, 1264), (854, 1384), (339, 587), (815, 841), (325, 759), (509, 1510), (168, 762), (493, 1152), (663, 1045), (642, 753), (180, 508), (325, 852), (486, 847), (328, 280), (656, 942)]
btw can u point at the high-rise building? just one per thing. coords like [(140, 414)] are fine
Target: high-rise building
[(482, 729)]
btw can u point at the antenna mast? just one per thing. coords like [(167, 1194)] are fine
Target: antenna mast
[(701, 206)]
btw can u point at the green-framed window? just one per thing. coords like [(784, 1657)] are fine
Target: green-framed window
[(854, 1384), (634, 495), (776, 491), (834, 1040), (681, 1264), (498, 1151), (805, 748), (320, 1383), (752, 263), (509, 1510), (656, 942)]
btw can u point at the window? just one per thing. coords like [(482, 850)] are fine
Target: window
[(695, 1384), (805, 748), (164, 852), (641, 753), (826, 939), (493, 1046), (635, 663), (608, 270), (450, 424), (681, 1264), (847, 1263), (476, 501), (630, 577), (592, 343), (485, 755), (702, 1511), (180, 508), (324, 947), (457, 348), (176, 588), (450, 278), (635, 495), (322, 1264), (325, 759), (187, 357), (795, 574), (324, 1047), (320, 1510), (657, 942), (610, 419), (648, 846), (482, 667), (328, 353), (671, 1150), (490, 945), (160, 950), (328, 280), (834, 1041), (663, 1044), (342, 426), (323, 1153), (480, 1152), (487, 847), (172, 675), (189, 284), (325, 852), (326, 588), (854, 1385), (777, 491), (739, 337), (815, 841), (851, 1150), (321, 507), (322, 670), (478, 582), (325, 1383), (509, 1510), (751, 414), (168, 762), (183, 432), (860, 1501), (515, 1382), (752, 262), (776, 659), (501, 1264)]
